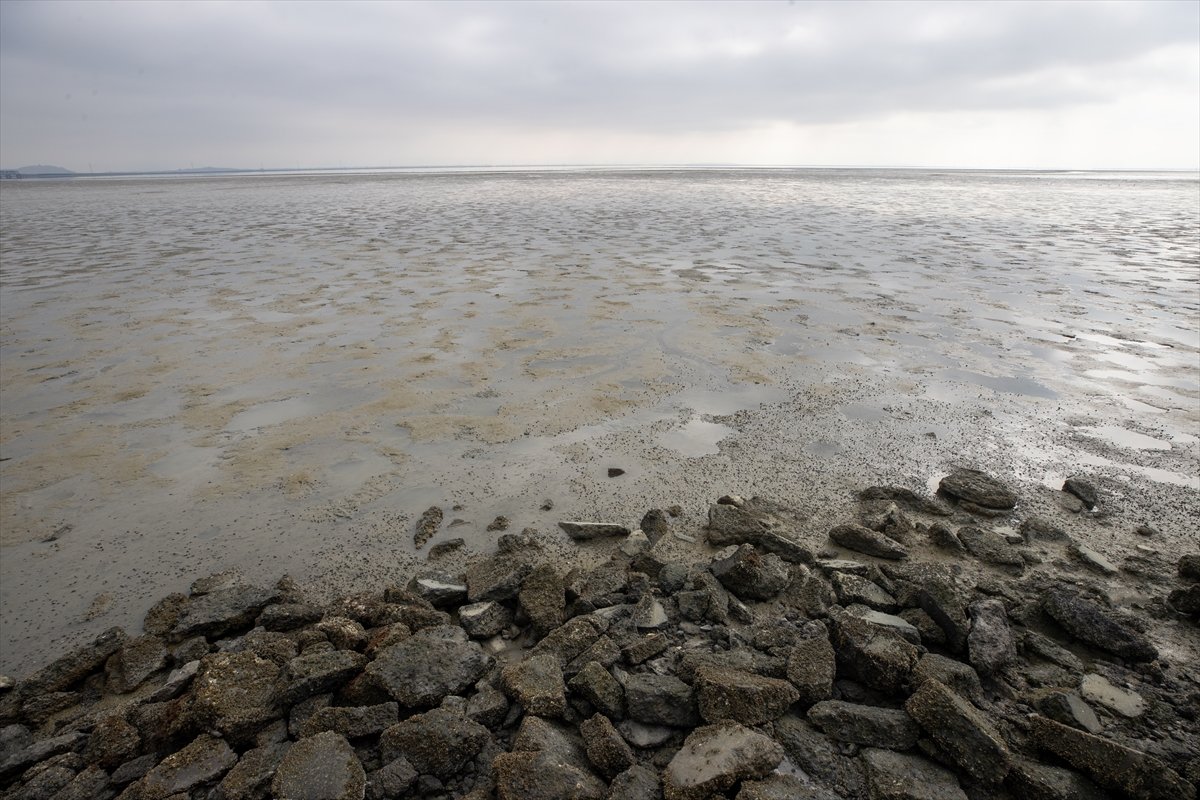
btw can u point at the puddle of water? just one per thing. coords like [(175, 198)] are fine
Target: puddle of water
[(862, 412), (272, 412), (696, 438), (720, 403), (1009, 385), (1126, 438), (1153, 473)]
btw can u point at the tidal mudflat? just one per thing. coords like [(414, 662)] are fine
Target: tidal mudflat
[(280, 374)]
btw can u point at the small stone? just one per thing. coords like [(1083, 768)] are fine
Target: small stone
[(586, 531), (636, 783), (288, 616), (543, 599), (896, 624), (542, 776), (865, 540), (597, 685), (615, 472), (1146, 530), (235, 694), (60, 674), (352, 722), (1069, 709), (537, 684), (316, 673), (655, 525), (869, 653), (852, 589), (953, 674), (113, 742), (1037, 529), (1092, 559), (752, 575), (251, 776), (990, 643), (443, 549), (991, 548), (484, 620), (439, 590), (203, 761), (660, 700), (500, 523), (1084, 489), (427, 526), (730, 694), (605, 747), (391, 781)]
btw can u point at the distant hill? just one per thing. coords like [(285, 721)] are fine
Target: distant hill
[(43, 169)]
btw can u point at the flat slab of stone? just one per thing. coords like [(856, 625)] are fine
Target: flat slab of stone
[(865, 540), (421, 670), (870, 726), (204, 760), (900, 776), (978, 488), (1092, 623), (741, 696), (715, 758), (321, 767), (537, 684), (961, 731), (586, 531)]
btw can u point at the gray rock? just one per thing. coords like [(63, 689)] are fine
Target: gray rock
[(421, 670), (64, 672), (811, 667), (543, 599), (235, 694), (649, 614), (484, 620), (752, 575), (1189, 566), (1112, 765), (865, 540), (896, 624), (392, 780), (439, 742), (829, 566), (1035, 781), (1037, 529), (784, 787), (944, 599), (991, 548), (730, 694), (38, 751), (427, 526), (586, 531), (655, 525), (715, 758), (163, 615), (960, 731), (755, 525), (15, 738), (222, 611), (880, 497), (318, 673), (351, 721), (203, 761), (597, 685), (852, 589), (990, 643), (1186, 601), (607, 751), (133, 769), (251, 776), (1069, 709), (645, 736), (91, 784), (343, 632), (660, 700), (439, 590), (900, 776), (636, 783), (819, 757), (321, 767), (573, 637), (1092, 559), (178, 680), (540, 776), (288, 616), (955, 675), (488, 707), (1099, 690), (537, 684), (1095, 625), (498, 577), (1084, 489), (978, 488), (113, 742), (137, 660), (944, 538), (865, 725), (871, 654)]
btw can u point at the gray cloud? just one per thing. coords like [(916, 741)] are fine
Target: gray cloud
[(142, 85)]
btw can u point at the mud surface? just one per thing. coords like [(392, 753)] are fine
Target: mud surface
[(281, 374)]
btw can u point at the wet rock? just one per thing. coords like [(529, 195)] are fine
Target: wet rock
[(871, 654), (443, 549), (991, 548), (637, 545), (288, 616), (979, 488), (1069, 502), (953, 674), (607, 751), (500, 523), (439, 742), (137, 660), (432, 663), (1097, 689), (752, 575), (865, 725), (317, 673), (537, 684), (222, 611), (321, 767), (865, 540), (91, 784), (874, 498), (251, 776), (829, 566), (945, 599), (729, 524), (427, 526), (1189, 566), (784, 787), (587, 531), (636, 783), (660, 700), (960, 731), (930, 632), (543, 599), (133, 769), (203, 761), (1035, 781), (1069, 709), (163, 615), (1110, 764), (900, 776), (944, 538), (113, 742), (391, 781), (351, 721), (484, 620), (811, 667), (40, 708), (1092, 559), (178, 680), (851, 589), (540, 776), (990, 643), (1091, 623), (1040, 529), (649, 614), (235, 694), (1084, 489), (715, 758), (645, 736), (597, 685), (573, 637), (44, 783), (730, 694), (64, 672), (898, 625), (439, 591), (488, 707), (819, 757), (1186, 601), (343, 632), (655, 525)]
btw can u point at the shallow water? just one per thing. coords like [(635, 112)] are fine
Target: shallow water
[(279, 373)]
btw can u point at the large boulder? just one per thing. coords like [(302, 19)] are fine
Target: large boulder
[(236, 694), (203, 761), (607, 751), (990, 643), (432, 663), (537, 684), (541, 775), (811, 668), (221, 611), (715, 758), (870, 653), (1092, 623)]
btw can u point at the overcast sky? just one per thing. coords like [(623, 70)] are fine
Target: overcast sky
[(144, 85)]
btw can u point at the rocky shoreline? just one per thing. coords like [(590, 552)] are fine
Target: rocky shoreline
[(925, 651)]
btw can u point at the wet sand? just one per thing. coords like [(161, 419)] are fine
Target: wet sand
[(279, 374)]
